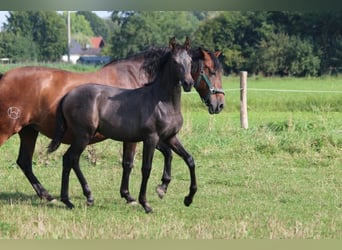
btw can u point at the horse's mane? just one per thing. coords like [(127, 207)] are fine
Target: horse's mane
[(153, 58), (154, 62)]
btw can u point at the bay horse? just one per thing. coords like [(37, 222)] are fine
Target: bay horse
[(29, 97), (149, 114)]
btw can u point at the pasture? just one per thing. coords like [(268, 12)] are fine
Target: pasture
[(280, 179)]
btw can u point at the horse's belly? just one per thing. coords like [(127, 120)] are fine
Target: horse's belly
[(123, 133)]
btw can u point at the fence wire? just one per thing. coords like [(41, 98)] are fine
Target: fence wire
[(281, 90)]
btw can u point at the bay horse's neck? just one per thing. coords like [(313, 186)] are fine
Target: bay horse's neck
[(129, 71)]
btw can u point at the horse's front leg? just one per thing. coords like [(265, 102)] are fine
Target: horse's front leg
[(148, 151), (28, 138), (127, 165), (178, 148), (166, 178)]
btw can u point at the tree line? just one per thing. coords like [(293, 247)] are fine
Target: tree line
[(261, 42)]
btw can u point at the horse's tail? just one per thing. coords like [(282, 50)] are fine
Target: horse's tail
[(61, 127)]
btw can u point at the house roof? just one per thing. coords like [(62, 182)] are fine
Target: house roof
[(97, 42), (77, 49)]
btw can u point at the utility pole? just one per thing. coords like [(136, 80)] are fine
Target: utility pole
[(69, 36)]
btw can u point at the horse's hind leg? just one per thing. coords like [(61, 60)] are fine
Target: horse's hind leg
[(84, 184), (127, 165), (148, 152), (28, 137), (166, 178), (71, 160), (67, 163)]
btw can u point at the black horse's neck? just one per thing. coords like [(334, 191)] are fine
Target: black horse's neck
[(167, 84)]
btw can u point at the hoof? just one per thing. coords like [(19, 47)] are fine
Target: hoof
[(68, 204), (49, 198), (129, 199), (147, 207), (161, 191), (90, 203), (187, 201), (132, 203), (53, 201)]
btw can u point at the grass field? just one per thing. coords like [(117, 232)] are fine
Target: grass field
[(280, 179)]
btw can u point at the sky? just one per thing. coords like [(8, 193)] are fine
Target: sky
[(3, 15)]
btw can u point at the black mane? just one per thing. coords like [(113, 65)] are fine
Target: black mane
[(154, 57)]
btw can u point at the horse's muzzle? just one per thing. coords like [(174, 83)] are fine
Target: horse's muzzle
[(187, 85)]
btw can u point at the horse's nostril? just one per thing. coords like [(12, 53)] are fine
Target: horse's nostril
[(220, 107)]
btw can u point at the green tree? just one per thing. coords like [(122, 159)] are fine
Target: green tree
[(138, 30), (80, 28), (45, 28), (19, 23), (325, 30), (237, 34), (97, 24), (287, 55), (310, 38), (79, 24), (17, 48)]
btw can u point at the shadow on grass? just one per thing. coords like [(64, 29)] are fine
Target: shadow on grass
[(6, 196), (18, 198)]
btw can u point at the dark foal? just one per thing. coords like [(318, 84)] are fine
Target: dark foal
[(207, 73), (119, 114)]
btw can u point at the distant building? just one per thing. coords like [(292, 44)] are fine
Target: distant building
[(93, 49)]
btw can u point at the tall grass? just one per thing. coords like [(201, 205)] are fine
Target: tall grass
[(279, 94), (280, 179), (64, 66)]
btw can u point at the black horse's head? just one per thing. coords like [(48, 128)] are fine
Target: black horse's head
[(183, 60)]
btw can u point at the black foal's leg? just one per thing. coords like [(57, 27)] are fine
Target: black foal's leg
[(178, 148), (166, 178), (71, 160), (28, 137), (67, 163), (127, 165), (148, 151), (84, 184)]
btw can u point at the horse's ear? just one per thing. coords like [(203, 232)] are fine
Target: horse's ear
[(202, 52), (172, 42), (217, 53), (187, 43)]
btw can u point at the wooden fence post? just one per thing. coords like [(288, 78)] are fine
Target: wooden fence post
[(243, 100)]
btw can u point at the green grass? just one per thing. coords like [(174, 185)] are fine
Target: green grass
[(317, 100), (65, 66), (281, 178)]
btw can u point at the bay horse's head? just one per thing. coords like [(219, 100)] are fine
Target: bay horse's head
[(208, 71), (181, 57)]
